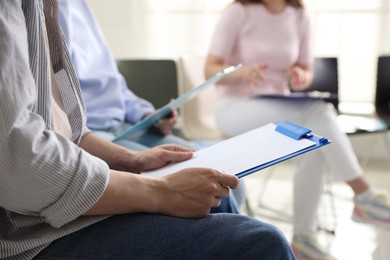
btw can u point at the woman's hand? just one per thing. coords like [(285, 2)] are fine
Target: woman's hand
[(252, 74), (248, 73), (300, 77)]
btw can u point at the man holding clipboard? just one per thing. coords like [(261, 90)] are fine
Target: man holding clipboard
[(67, 194)]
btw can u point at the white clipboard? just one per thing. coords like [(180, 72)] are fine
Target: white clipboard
[(252, 151)]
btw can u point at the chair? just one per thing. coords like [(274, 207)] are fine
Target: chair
[(382, 95), (377, 122), (325, 79), (152, 79), (198, 115), (382, 99)]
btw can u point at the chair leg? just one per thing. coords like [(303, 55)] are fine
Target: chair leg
[(248, 208), (264, 185), (329, 228), (386, 144), (283, 216), (279, 214), (367, 156)]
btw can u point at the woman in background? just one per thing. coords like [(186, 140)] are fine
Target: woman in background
[(272, 39)]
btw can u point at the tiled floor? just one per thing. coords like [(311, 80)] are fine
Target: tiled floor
[(351, 240)]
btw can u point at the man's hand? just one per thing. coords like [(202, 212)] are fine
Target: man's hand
[(189, 193), (193, 191), (122, 159), (159, 156), (165, 125)]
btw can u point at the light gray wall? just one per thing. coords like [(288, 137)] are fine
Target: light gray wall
[(120, 22)]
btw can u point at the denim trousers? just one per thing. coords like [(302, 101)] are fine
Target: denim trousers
[(152, 236)]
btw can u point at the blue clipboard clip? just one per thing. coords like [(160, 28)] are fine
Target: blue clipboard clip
[(296, 131), (293, 130)]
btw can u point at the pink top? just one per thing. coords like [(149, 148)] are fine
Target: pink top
[(250, 34)]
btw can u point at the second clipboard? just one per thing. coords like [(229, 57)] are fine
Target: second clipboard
[(174, 104)]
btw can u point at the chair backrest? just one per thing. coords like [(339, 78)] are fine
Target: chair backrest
[(198, 115), (382, 95), (152, 79), (325, 77)]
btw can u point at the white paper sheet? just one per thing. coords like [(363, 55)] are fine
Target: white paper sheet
[(242, 152)]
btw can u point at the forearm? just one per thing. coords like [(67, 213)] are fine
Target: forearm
[(214, 65), (117, 157), (248, 74), (127, 193)]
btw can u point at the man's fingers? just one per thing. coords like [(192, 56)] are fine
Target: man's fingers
[(176, 148), (178, 156), (223, 192), (216, 202), (228, 180)]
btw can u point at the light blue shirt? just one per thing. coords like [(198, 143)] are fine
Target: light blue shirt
[(107, 97)]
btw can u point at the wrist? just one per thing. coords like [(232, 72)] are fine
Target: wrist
[(159, 193), (125, 160), (140, 193)]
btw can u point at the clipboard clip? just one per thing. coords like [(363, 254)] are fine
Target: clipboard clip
[(293, 130)]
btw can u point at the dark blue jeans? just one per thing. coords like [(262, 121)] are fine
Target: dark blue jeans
[(149, 236)]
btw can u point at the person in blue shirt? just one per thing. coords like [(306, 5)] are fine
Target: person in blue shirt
[(110, 104)]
